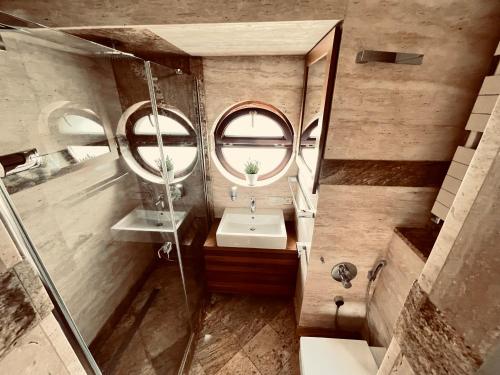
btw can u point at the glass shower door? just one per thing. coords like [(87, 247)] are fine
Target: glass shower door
[(74, 118), (177, 103)]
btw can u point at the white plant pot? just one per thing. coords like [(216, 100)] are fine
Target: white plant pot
[(251, 179), (170, 176)]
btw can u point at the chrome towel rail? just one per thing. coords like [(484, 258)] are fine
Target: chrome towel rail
[(309, 211)]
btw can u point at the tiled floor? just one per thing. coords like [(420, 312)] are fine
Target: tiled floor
[(247, 335), (150, 341)]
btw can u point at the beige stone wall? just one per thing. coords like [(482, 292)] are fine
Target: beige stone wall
[(355, 224), (381, 111), (393, 112), (460, 278), (31, 340), (468, 191), (389, 293), (56, 13), (70, 227), (276, 80), (406, 112)]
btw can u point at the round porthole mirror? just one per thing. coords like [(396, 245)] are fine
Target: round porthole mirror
[(253, 131), (139, 143)]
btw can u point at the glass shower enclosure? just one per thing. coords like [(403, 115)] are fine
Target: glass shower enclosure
[(102, 187)]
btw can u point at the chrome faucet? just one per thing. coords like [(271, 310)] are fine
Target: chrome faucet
[(345, 276), (344, 272), (160, 201), (253, 205), (373, 273)]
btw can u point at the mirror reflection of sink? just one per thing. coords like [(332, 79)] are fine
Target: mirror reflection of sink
[(142, 225), (263, 229)]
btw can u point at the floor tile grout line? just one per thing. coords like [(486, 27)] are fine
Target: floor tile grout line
[(146, 352), (131, 332), (289, 359), (267, 322), (253, 363)]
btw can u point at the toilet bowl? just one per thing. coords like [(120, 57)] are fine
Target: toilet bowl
[(320, 355)]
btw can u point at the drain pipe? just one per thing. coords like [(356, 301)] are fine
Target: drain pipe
[(339, 301)]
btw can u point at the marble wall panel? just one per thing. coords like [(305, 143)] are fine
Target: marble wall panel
[(428, 340), (276, 80), (467, 289), (33, 354), (63, 348), (389, 293), (454, 328), (69, 225), (180, 91), (406, 112), (156, 12), (355, 224), (394, 112), (383, 172), (18, 86), (316, 76), (26, 317), (23, 304), (9, 255), (92, 271), (48, 79), (34, 288), (18, 315), (467, 193), (42, 350)]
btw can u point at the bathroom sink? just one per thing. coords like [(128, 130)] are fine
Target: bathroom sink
[(263, 229), (147, 225)]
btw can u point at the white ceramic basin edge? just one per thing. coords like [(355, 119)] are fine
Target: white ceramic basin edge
[(143, 220), (263, 229)]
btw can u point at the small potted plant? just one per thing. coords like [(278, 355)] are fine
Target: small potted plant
[(252, 172), (170, 168)]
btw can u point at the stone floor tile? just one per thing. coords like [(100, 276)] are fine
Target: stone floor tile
[(240, 364), (268, 352), (196, 369), (215, 347)]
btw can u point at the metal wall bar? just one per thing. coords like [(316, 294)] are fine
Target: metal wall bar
[(166, 183)]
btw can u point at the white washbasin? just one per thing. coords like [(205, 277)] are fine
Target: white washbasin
[(149, 221), (264, 229)]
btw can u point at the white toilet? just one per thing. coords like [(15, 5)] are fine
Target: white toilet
[(326, 356)]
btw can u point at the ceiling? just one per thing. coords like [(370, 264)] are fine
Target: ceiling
[(138, 41), (245, 39)]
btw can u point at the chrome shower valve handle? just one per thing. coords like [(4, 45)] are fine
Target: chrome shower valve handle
[(165, 250)]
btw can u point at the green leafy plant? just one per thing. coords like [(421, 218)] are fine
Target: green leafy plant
[(252, 167), (169, 163)]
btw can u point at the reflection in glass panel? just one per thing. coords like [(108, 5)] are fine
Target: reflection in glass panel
[(77, 124), (253, 125), (311, 131), (82, 153), (96, 226), (67, 135), (310, 156), (145, 125), (309, 144), (315, 133), (315, 81), (183, 157), (269, 158)]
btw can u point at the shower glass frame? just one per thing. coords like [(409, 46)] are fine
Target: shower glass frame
[(13, 221)]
